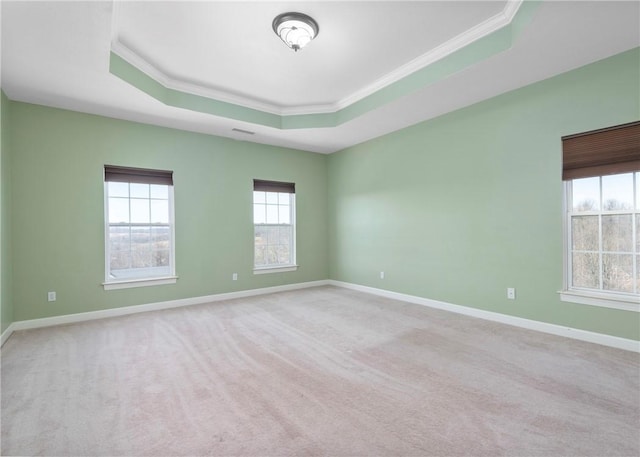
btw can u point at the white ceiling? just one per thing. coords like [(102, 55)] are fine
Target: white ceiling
[(231, 47), (57, 54)]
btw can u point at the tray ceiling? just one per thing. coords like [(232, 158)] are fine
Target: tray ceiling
[(375, 67)]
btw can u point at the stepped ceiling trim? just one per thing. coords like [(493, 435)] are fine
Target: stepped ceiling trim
[(487, 38), (60, 54)]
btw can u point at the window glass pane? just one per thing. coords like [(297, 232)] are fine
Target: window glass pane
[(160, 258), (140, 211), (586, 194), (285, 235), (283, 198), (119, 260), (261, 236), (140, 247), (159, 191), (259, 197), (160, 211), (259, 214), (118, 189), (139, 190), (274, 235), (282, 251), (637, 233), (119, 238), (160, 238), (271, 255), (617, 192), (584, 233), (617, 272), (259, 255), (141, 235), (284, 215), (272, 214), (586, 270), (118, 210), (140, 258), (272, 197), (617, 233)]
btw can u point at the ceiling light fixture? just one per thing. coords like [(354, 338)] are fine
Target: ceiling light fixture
[(295, 29)]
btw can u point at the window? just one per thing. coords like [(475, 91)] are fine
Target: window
[(604, 221), (139, 227), (602, 235), (274, 226)]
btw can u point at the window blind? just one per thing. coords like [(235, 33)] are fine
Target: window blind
[(114, 173), (274, 186), (601, 152)]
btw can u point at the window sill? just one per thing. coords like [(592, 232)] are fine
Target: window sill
[(130, 283), (268, 270), (615, 301)]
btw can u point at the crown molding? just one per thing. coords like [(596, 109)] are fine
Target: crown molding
[(460, 41), (133, 58), (456, 43)]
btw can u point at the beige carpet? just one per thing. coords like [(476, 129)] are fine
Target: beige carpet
[(322, 371)]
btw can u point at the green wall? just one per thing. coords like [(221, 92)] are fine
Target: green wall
[(455, 209), (58, 209), (6, 308), (461, 207)]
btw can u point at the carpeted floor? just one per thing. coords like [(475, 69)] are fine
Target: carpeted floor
[(321, 371)]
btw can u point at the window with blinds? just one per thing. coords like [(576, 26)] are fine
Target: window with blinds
[(601, 170), (139, 226), (274, 226)]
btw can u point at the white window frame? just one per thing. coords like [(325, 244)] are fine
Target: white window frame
[(278, 268), (602, 298), (113, 284)]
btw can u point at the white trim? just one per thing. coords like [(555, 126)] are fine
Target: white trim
[(488, 26), (6, 334), (559, 330), (105, 209), (148, 68), (566, 234), (568, 332), (626, 303), (265, 271), (145, 282), (124, 311), (493, 24)]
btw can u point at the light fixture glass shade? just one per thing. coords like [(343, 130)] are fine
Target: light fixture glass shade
[(295, 29)]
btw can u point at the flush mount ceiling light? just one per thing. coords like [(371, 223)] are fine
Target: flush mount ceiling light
[(295, 29)]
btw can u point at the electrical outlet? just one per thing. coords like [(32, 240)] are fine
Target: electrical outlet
[(234, 276), (51, 296), (511, 293), (382, 275)]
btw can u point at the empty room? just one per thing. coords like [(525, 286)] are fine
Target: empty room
[(368, 228)]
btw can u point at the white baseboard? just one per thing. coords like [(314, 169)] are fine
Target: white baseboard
[(569, 332), (6, 334), (126, 310)]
